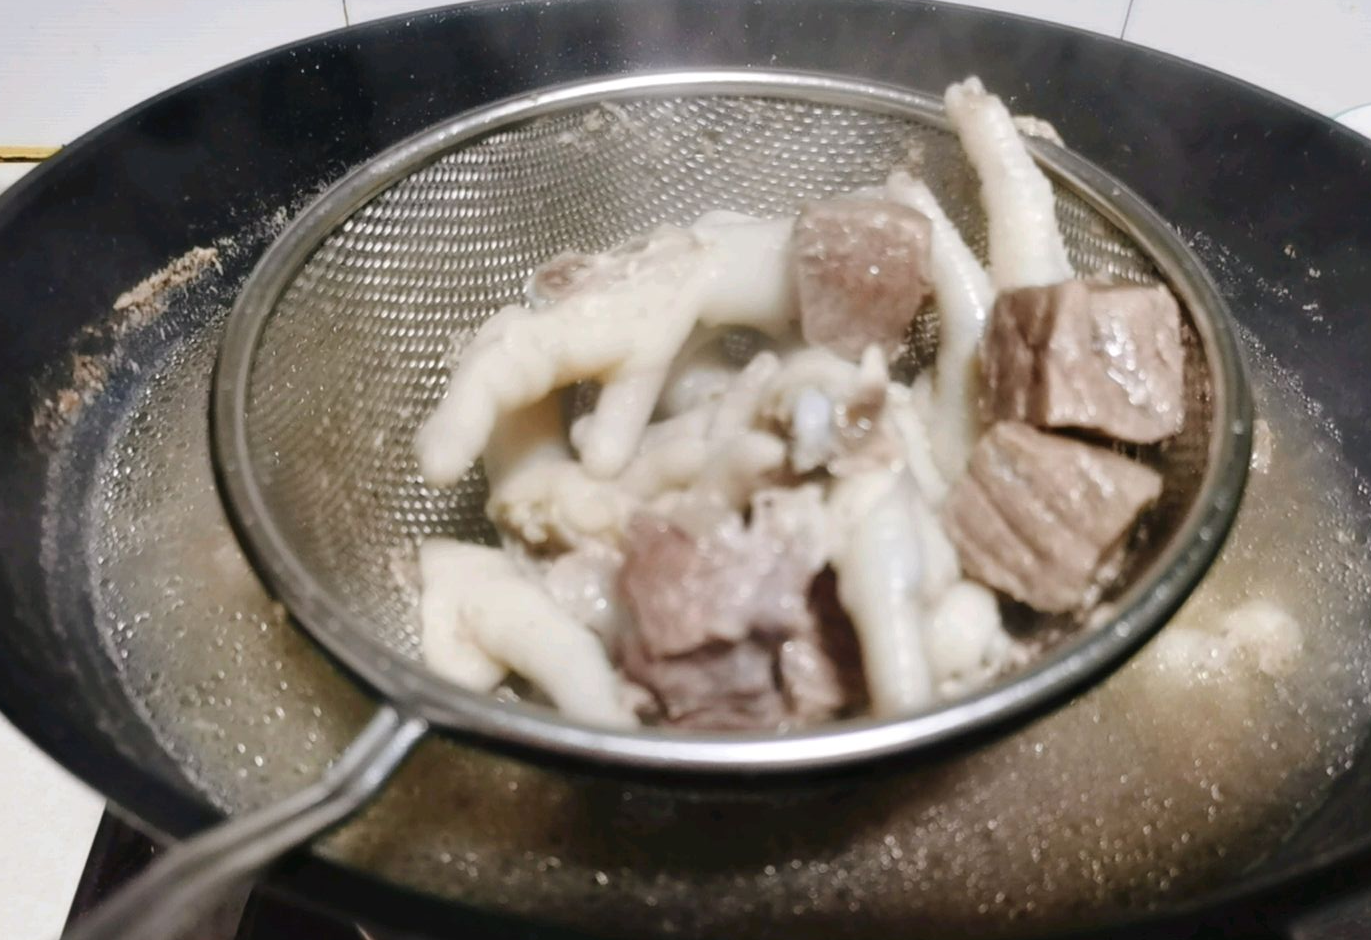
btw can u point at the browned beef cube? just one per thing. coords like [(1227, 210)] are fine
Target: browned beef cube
[(1077, 355), (862, 270), (1042, 517)]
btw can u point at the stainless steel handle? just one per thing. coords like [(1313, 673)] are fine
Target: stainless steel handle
[(186, 882)]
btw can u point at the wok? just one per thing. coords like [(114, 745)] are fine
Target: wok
[(209, 162)]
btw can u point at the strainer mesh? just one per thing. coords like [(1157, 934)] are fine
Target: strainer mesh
[(357, 350)]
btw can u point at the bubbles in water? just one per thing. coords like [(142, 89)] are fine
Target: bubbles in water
[(1149, 789), (183, 614)]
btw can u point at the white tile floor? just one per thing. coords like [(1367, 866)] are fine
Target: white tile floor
[(67, 65)]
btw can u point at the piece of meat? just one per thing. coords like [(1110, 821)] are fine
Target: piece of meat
[(683, 591), (1043, 517), (723, 632), (809, 679), (755, 684), (687, 591), (862, 271), (1075, 355), (718, 687), (821, 673)]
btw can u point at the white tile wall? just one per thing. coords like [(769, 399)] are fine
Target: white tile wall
[(1359, 119), (362, 10), (9, 172), (67, 65), (1099, 16), (1316, 52)]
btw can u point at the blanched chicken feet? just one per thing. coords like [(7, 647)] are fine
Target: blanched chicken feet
[(619, 319), (481, 615), (893, 563), (1026, 248), (964, 296)]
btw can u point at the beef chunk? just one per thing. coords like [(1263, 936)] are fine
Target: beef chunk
[(717, 687), (1077, 355), (682, 590), (725, 634), (862, 273), (821, 671), (1043, 518), (687, 591)]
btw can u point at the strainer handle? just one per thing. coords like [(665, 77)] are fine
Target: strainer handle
[(186, 882)]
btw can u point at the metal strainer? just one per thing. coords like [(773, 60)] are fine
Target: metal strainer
[(341, 342)]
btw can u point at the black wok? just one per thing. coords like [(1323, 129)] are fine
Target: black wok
[(208, 160)]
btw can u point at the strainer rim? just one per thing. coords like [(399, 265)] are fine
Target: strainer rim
[(1140, 612)]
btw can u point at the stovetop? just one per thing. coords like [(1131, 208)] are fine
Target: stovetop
[(119, 852)]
